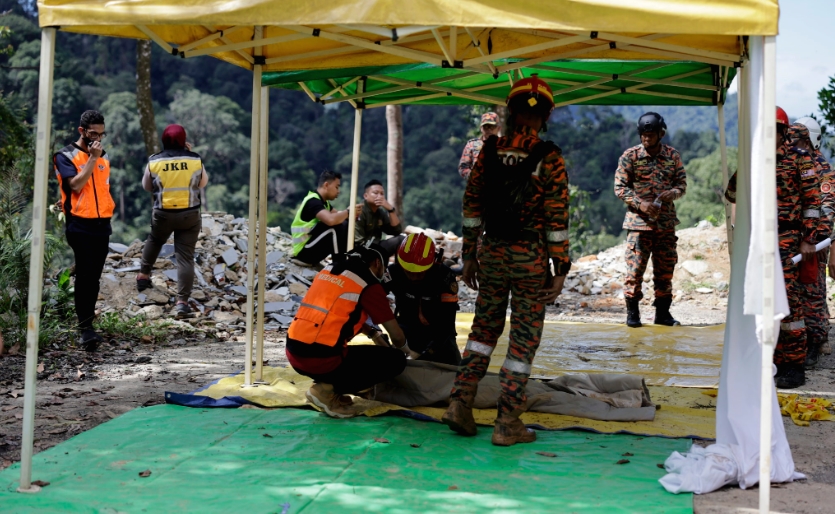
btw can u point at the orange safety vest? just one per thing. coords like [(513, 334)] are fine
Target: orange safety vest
[(94, 200), (330, 309)]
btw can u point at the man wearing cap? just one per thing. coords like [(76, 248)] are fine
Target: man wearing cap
[(426, 295), (650, 176), (341, 299), (516, 201), (489, 127), (175, 176), (378, 217)]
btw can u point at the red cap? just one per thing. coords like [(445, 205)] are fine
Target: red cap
[(416, 253), (535, 87), (782, 117), (174, 137)]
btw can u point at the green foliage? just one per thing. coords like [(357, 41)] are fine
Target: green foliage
[(705, 189), (137, 327), (826, 105)]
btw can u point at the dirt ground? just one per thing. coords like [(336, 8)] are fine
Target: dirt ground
[(77, 391)]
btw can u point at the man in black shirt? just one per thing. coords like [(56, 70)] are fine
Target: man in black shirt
[(318, 230), (378, 217)]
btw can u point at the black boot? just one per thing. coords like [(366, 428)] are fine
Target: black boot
[(662, 312), (793, 377), (813, 353), (633, 313)]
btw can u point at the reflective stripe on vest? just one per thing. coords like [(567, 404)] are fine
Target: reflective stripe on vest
[(94, 200), (176, 178), (300, 230), (327, 308)]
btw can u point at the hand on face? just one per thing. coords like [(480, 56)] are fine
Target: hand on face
[(95, 149)]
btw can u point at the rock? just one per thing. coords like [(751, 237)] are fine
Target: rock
[(118, 247), (241, 244), (704, 225), (297, 288), (587, 258), (230, 257), (283, 320), (166, 250), (273, 296), (722, 285), (154, 295), (171, 274), (412, 230), (718, 275), (241, 290), (434, 234), (279, 306), (230, 275), (704, 290), (225, 317), (274, 257), (143, 359), (694, 267), (151, 312), (199, 295)]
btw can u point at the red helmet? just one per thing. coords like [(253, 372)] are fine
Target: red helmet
[(535, 87), (782, 117), (416, 253)]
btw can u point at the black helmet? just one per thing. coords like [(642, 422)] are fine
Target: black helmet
[(651, 122)]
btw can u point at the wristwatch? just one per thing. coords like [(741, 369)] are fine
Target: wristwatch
[(391, 210)]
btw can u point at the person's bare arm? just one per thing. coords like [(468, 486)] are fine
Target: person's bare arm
[(78, 182), (398, 338), (331, 218), (147, 181), (204, 179)]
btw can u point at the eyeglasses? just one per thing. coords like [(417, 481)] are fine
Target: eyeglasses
[(95, 135)]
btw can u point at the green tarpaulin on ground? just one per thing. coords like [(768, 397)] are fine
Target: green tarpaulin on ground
[(294, 460)]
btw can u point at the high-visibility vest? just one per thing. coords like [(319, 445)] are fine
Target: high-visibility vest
[(301, 229), (176, 178), (94, 200), (330, 312)]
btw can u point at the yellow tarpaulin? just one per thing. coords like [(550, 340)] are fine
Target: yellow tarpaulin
[(683, 412)]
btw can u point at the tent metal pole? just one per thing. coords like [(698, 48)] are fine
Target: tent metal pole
[(42, 172), (768, 164), (355, 170), (262, 231), (723, 151), (253, 211)]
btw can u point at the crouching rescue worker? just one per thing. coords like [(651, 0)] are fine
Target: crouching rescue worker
[(175, 176), (650, 176), (318, 230), (426, 295), (334, 310), (83, 170), (517, 198)]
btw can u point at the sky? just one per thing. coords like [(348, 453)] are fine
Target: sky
[(805, 54)]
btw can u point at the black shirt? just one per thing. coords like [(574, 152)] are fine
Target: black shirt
[(312, 207)]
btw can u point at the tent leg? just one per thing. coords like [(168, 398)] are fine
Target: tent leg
[(262, 231), (42, 172), (355, 168), (769, 79), (723, 151), (253, 211)]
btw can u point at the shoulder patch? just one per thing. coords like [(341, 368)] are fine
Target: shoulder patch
[(799, 151), (826, 187)]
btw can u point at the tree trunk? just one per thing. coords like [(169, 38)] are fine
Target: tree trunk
[(501, 110), (144, 102), (394, 121), (122, 200)]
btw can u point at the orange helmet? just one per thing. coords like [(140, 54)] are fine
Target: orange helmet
[(534, 87), (416, 253), (782, 117)]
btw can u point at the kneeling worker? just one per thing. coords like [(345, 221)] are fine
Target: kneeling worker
[(318, 230), (334, 310), (426, 293)]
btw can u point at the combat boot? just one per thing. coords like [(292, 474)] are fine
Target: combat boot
[(633, 313), (813, 353), (662, 312), (510, 430), (459, 416), (792, 376)]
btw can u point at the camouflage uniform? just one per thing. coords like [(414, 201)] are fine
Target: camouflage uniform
[(642, 177), (827, 178), (469, 156), (798, 219), (519, 268)]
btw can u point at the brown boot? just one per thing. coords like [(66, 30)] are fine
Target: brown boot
[(334, 405), (459, 417), (510, 430)]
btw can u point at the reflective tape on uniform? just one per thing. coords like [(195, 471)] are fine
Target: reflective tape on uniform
[(314, 307), (472, 222), (479, 348), (351, 297), (793, 325), (812, 213), (300, 230), (557, 236), (517, 366)]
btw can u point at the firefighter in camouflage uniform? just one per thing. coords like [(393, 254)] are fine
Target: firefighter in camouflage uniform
[(489, 127), (806, 135), (516, 200), (650, 176)]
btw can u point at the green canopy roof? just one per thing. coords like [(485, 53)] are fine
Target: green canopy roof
[(584, 82)]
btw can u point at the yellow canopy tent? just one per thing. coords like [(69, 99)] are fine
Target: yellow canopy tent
[(489, 37)]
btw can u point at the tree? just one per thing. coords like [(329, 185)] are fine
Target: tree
[(826, 105), (144, 101), (394, 122)]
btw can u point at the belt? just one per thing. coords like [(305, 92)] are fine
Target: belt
[(786, 226)]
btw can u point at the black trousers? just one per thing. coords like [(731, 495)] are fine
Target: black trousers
[(442, 350), (365, 366), (90, 253), (324, 241)]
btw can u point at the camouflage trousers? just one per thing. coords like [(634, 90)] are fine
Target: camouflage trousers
[(791, 343), (641, 245), (519, 270), (816, 311)]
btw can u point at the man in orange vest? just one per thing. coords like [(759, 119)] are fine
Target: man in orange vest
[(83, 171), (334, 310)]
